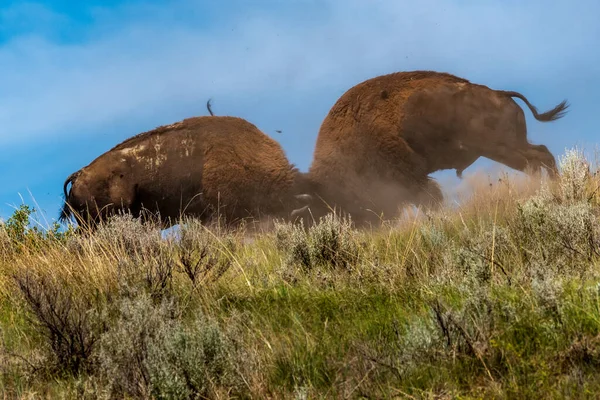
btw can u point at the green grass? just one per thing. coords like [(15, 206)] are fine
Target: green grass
[(498, 299)]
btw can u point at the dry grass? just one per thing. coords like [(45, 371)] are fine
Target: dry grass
[(497, 298)]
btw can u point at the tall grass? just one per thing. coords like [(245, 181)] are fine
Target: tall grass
[(497, 298)]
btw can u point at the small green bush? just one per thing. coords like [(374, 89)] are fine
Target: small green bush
[(332, 243), (149, 352), (69, 320), (17, 234), (292, 240), (203, 255), (574, 177), (187, 362), (129, 236)]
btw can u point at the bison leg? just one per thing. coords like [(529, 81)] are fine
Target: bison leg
[(540, 156), (527, 161), (425, 194), (514, 160), (430, 196), (460, 167), (379, 177)]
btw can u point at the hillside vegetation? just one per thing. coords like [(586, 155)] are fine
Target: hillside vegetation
[(499, 298)]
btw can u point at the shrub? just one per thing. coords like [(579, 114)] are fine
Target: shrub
[(575, 174), (554, 234), (68, 319), (16, 235), (144, 259), (483, 252), (149, 352), (189, 362), (128, 236), (436, 249), (332, 243), (202, 255), (293, 241), (16, 227), (123, 348)]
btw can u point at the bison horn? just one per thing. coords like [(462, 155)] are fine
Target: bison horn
[(298, 211), (304, 197)]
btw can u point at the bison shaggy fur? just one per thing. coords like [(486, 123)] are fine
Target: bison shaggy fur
[(384, 136), (198, 167)]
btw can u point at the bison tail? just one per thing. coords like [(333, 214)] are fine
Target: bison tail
[(209, 108), (66, 211), (556, 113)]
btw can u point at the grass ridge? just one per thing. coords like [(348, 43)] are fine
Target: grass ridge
[(496, 298)]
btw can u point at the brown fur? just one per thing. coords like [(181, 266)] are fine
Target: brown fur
[(194, 167), (384, 136)]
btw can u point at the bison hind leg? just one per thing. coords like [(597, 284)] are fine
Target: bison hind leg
[(540, 156)]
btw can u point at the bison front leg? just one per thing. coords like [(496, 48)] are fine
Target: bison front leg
[(464, 164)]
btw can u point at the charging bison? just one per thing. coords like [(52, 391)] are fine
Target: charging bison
[(384, 136), (197, 167)]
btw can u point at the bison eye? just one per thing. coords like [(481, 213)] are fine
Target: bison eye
[(121, 175)]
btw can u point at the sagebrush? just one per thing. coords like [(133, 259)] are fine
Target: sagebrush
[(496, 298)]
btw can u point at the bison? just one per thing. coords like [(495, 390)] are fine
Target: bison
[(384, 136), (199, 167)]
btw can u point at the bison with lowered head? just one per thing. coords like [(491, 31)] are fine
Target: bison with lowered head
[(195, 167), (384, 136)]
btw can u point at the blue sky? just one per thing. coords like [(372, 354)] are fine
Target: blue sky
[(76, 78)]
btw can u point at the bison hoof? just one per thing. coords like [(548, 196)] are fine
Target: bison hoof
[(459, 174)]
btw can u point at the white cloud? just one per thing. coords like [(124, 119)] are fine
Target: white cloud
[(281, 64), (146, 61)]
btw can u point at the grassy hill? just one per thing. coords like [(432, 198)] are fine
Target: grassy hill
[(498, 298)]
